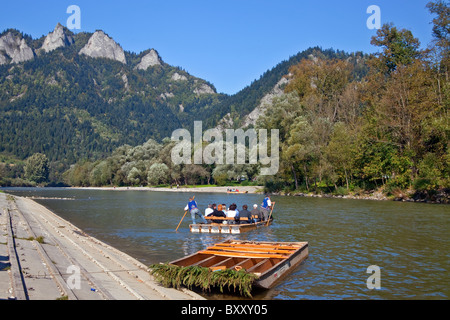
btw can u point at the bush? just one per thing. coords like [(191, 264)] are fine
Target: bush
[(274, 186), (221, 179), (36, 168), (157, 174), (341, 191), (424, 184)]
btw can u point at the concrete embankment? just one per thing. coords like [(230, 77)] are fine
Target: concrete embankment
[(44, 257)]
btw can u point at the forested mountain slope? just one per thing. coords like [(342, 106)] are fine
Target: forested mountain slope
[(79, 96), (74, 96)]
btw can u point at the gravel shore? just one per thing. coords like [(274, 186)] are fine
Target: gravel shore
[(249, 189)]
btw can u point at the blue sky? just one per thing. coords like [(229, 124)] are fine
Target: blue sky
[(228, 43)]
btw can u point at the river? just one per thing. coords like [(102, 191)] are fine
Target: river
[(408, 242)]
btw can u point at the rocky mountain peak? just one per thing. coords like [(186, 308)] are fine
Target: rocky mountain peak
[(149, 60), (101, 45), (14, 49), (56, 39)]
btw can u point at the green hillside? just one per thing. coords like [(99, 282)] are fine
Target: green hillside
[(70, 106)]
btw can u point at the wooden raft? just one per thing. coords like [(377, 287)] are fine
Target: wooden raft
[(270, 261)]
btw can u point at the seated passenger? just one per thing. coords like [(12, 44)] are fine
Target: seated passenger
[(256, 212), (244, 213), (209, 210), (217, 213), (232, 213)]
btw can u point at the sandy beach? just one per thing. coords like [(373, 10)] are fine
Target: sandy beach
[(44, 257)]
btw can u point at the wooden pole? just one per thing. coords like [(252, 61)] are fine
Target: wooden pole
[(270, 216), (185, 213)]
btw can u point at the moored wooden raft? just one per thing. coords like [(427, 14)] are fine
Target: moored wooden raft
[(269, 261)]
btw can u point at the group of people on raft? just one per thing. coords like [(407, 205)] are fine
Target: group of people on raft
[(257, 214)]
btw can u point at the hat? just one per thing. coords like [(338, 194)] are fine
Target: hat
[(255, 206)]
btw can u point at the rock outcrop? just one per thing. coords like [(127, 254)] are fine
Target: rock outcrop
[(57, 39), (278, 90), (204, 89), (225, 123), (102, 46), (14, 49), (266, 101), (3, 59), (149, 60), (178, 77)]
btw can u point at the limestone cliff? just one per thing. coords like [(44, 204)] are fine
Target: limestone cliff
[(266, 101), (57, 39), (203, 88), (149, 60), (102, 46), (14, 49)]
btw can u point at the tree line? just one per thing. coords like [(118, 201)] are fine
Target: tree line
[(389, 130), (151, 164)]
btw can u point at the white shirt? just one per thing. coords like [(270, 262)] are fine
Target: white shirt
[(231, 213)]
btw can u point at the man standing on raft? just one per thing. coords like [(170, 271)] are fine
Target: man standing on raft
[(193, 209), (266, 207)]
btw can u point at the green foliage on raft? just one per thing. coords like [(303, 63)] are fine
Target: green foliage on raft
[(200, 277)]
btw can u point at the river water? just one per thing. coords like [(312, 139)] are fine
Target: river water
[(409, 242)]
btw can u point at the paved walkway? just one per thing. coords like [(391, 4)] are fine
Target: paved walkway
[(43, 257)]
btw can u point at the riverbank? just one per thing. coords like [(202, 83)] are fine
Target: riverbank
[(44, 257), (441, 196)]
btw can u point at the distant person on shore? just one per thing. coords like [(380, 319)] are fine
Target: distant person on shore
[(244, 213), (217, 212), (194, 210), (256, 212)]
